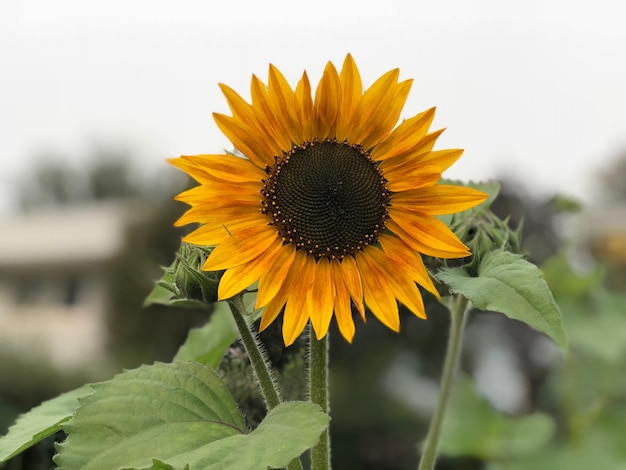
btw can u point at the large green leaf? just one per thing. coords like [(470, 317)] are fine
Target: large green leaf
[(472, 427), (155, 411), (39, 423), (286, 432), (509, 284), (178, 414), (207, 345)]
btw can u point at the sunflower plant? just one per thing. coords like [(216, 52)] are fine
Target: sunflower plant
[(328, 209)]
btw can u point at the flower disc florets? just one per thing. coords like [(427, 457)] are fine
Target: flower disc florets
[(328, 198)]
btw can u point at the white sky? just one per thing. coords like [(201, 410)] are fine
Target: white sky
[(535, 89)]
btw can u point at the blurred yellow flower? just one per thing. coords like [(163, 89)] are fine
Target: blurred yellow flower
[(333, 203)]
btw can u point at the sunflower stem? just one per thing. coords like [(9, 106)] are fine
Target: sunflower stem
[(260, 365), (455, 339), (318, 394)]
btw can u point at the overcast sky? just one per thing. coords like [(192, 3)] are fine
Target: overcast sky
[(532, 89)]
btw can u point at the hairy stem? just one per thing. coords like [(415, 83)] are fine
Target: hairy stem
[(318, 394), (455, 339)]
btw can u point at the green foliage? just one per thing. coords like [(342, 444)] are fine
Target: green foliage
[(473, 427), (508, 284), (181, 414), (206, 345), (39, 423)]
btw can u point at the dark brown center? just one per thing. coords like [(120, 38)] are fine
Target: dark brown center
[(328, 198)]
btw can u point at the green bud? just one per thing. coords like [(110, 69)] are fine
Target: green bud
[(189, 278), (484, 232)]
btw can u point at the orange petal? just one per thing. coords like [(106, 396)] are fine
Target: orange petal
[(411, 177), (439, 199), (240, 248), (401, 255), (416, 154), (404, 137), (343, 312), (296, 313), (226, 167), (321, 298), (273, 308), (273, 277), (327, 103), (351, 92), (248, 140), (403, 287), (274, 126), (236, 279), (378, 293), (423, 238), (305, 108), (352, 278), (282, 99)]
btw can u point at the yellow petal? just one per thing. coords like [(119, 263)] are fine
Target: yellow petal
[(226, 167), (283, 102), (215, 233), (424, 239), (296, 313), (215, 193), (273, 277), (374, 111), (248, 140), (275, 305), (274, 127), (403, 287), (236, 279), (378, 293), (351, 92), (241, 109), (439, 199), (305, 108), (410, 262), (411, 177), (242, 247), (352, 279), (327, 103), (416, 154), (404, 137), (343, 312), (321, 298)]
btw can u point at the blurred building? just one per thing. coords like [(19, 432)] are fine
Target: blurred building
[(53, 287)]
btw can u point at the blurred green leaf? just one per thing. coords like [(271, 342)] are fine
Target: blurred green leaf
[(208, 344), (40, 423), (473, 427), (595, 317), (601, 447), (509, 284)]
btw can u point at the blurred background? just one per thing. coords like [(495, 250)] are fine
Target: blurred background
[(94, 96)]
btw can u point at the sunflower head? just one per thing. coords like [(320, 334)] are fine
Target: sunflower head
[(332, 204)]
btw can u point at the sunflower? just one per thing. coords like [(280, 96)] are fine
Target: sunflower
[(332, 204)]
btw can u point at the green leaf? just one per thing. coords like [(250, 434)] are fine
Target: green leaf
[(508, 284), (40, 423), (181, 414), (158, 411), (472, 427), (208, 344), (286, 432)]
